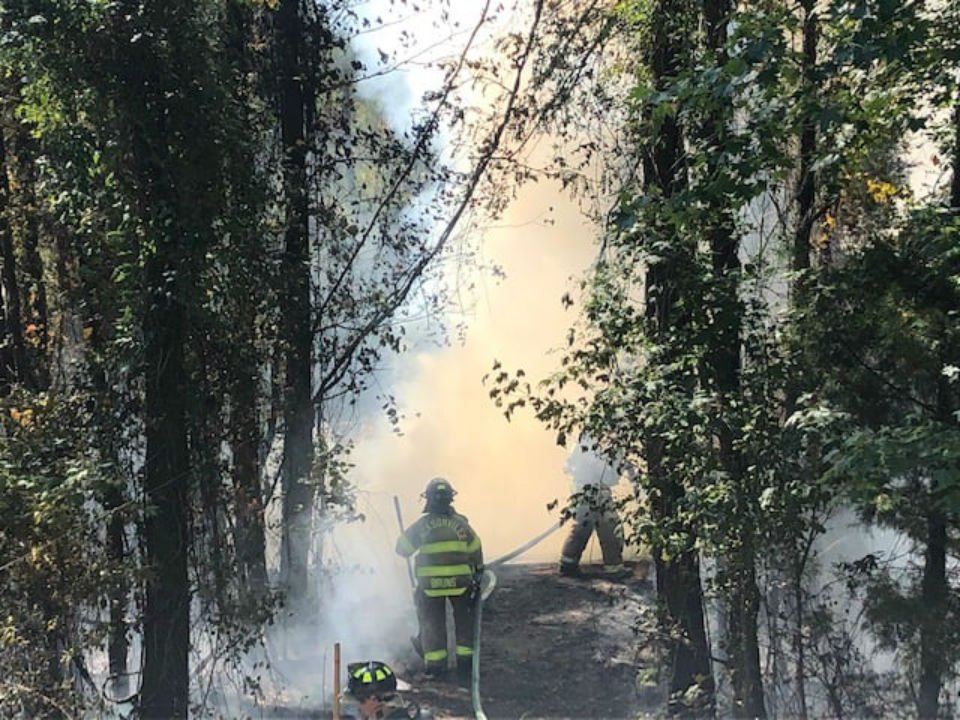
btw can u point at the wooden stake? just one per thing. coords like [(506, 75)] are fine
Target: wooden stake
[(336, 681), (396, 506)]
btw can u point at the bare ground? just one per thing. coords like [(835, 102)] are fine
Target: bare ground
[(555, 647)]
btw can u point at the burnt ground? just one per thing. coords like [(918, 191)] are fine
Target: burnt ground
[(555, 647)]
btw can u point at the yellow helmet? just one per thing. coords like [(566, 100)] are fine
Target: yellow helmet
[(369, 679)]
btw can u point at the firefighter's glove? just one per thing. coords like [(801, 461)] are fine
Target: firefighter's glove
[(475, 584)]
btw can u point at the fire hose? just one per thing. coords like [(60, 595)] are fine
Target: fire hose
[(526, 546)]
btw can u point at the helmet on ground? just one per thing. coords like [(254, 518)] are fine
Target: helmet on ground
[(439, 490), (369, 679)]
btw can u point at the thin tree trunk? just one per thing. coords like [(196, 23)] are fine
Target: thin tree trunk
[(118, 642), (747, 679), (204, 450), (679, 590), (680, 597), (35, 292), (933, 595), (807, 179), (934, 590), (14, 357), (298, 491), (249, 528), (723, 374), (955, 182), (799, 646), (806, 192), (7, 367), (806, 188), (250, 533)]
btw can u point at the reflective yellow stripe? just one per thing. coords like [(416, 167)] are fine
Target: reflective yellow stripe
[(381, 675), (613, 568), (443, 570), (367, 677), (446, 592), (434, 655), (464, 651), (445, 546), (474, 544)]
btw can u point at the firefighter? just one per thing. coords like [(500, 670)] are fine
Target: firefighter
[(594, 512), (373, 685), (449, 565)]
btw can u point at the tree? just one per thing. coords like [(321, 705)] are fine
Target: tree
[(298, 490), (154, 142), (14, 354)]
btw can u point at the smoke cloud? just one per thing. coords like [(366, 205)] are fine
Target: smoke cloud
[(505, 473)]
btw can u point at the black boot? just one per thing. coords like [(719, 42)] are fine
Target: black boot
[(435, 671)]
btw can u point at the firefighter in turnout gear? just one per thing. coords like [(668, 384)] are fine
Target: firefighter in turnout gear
[(593, 477), (449, 566), (373, 686)]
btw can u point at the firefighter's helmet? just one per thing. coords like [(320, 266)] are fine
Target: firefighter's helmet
[(439, 490), (371, 679)]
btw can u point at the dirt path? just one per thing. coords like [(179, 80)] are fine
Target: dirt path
[(554, 647)]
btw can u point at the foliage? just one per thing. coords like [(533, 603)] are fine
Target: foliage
[(52, 562), (845, 384), (147, 189), (150, 198)]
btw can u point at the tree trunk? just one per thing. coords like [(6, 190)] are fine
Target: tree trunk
[(933, 595), (680, 597), (806, 193), (807, 178), (679, 589), (798, 641), (806, 188), (244, 419), (723, 377), (298, 491), (746, 677), (118, 643), (955, 182), (14, 355), (250, 530), (934, 590), (7, 367), (35, 295), (164, 692)]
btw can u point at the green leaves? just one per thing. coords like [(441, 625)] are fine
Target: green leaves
[(883, 467), (52, 557)]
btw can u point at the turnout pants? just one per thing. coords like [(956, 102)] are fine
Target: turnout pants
[(432, 616), (607, 525)]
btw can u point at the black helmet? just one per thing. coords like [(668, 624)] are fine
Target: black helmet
[(439, 490), (372, 678)]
